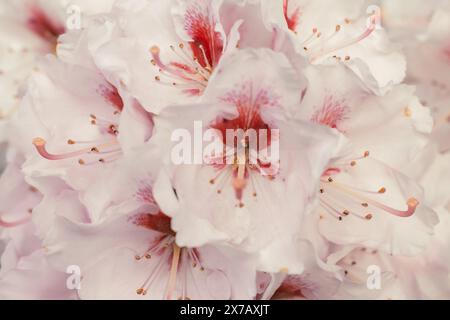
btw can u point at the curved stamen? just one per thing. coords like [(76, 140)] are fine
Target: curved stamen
[(341, 210), (153, 275), (367, 32), (7, 224), (412, 202), (190, 72), (40, 145)]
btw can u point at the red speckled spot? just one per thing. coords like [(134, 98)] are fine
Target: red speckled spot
[(111, 94), (249, 109), (207, 44), (331, 113), (292, 286), (156, 222), (43, 26), (145, 193)]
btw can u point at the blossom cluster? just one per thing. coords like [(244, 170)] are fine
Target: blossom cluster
[(225, 149)]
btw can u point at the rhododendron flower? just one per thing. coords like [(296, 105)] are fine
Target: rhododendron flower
[(364, 186), (25, 272), (224, 149), (83, 134), (172, 47), (253, 89), (136, 252), (350, 33), (424, 33), (29, 30)]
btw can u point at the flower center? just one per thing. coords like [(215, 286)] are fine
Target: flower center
[(180, 264), (187, 73), (332, 113), (251, 138), (196, 59)]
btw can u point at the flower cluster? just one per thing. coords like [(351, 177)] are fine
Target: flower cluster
[(225, 149)]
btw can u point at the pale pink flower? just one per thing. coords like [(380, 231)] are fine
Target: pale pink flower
[(340, 32), (317, 281), (349, 171), (29, 277), (423, 30), (70, 123), (426, 276), (166, 52), (25, 273), (30, 30), (248, 204), (129, 251), (364, 189)]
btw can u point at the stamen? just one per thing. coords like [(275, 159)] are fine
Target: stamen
[(331, 210), (173, 271), (367, 32), (191, 73), (153, 275), (7, 224), (412, 203), (40, 145)]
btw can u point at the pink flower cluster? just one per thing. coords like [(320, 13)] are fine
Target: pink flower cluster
[(354, 97)]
